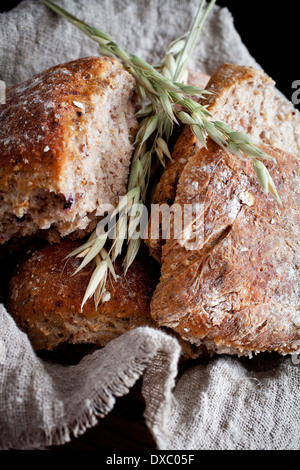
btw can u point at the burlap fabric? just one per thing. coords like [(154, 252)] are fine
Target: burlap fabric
[(225, 403)]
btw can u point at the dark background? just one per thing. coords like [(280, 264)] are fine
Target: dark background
[(269, 29)]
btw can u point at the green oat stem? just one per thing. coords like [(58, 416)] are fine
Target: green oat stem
[(192, 37)]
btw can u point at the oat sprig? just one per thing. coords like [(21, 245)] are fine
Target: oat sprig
[(165, 99)]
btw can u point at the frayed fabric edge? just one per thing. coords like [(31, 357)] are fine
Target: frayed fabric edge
[(103, 400)]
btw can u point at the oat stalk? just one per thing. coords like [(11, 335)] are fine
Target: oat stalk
[(166, 100)]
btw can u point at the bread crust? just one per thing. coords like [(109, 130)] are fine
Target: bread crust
[(227, 76), (224, 84), (50, 97), (239, 289), (45, 298)]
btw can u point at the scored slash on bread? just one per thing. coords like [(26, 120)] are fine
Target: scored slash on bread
[(66, 141), (238, 291), (245, 99)]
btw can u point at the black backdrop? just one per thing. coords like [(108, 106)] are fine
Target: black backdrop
[(269, 29)]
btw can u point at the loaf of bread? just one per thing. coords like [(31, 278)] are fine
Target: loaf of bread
[(237, 290), (45, 300), (66, 140), (246, 99)]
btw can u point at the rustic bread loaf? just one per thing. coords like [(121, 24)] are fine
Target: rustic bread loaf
[(247, 100), (45, 300), (238, 289), (66, 139)]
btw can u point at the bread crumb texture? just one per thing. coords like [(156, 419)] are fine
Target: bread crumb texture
[(66, 140)]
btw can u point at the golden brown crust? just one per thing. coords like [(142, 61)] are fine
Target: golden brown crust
[(66, 139), (227, 76), (45, 298), (239, 289), (48, 99), (51, 90)]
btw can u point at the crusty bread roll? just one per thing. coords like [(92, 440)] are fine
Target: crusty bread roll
[(66, 140), (247, 100), (238, 290), (45, 300)]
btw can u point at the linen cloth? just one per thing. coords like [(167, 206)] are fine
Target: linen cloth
[(223, 403)]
